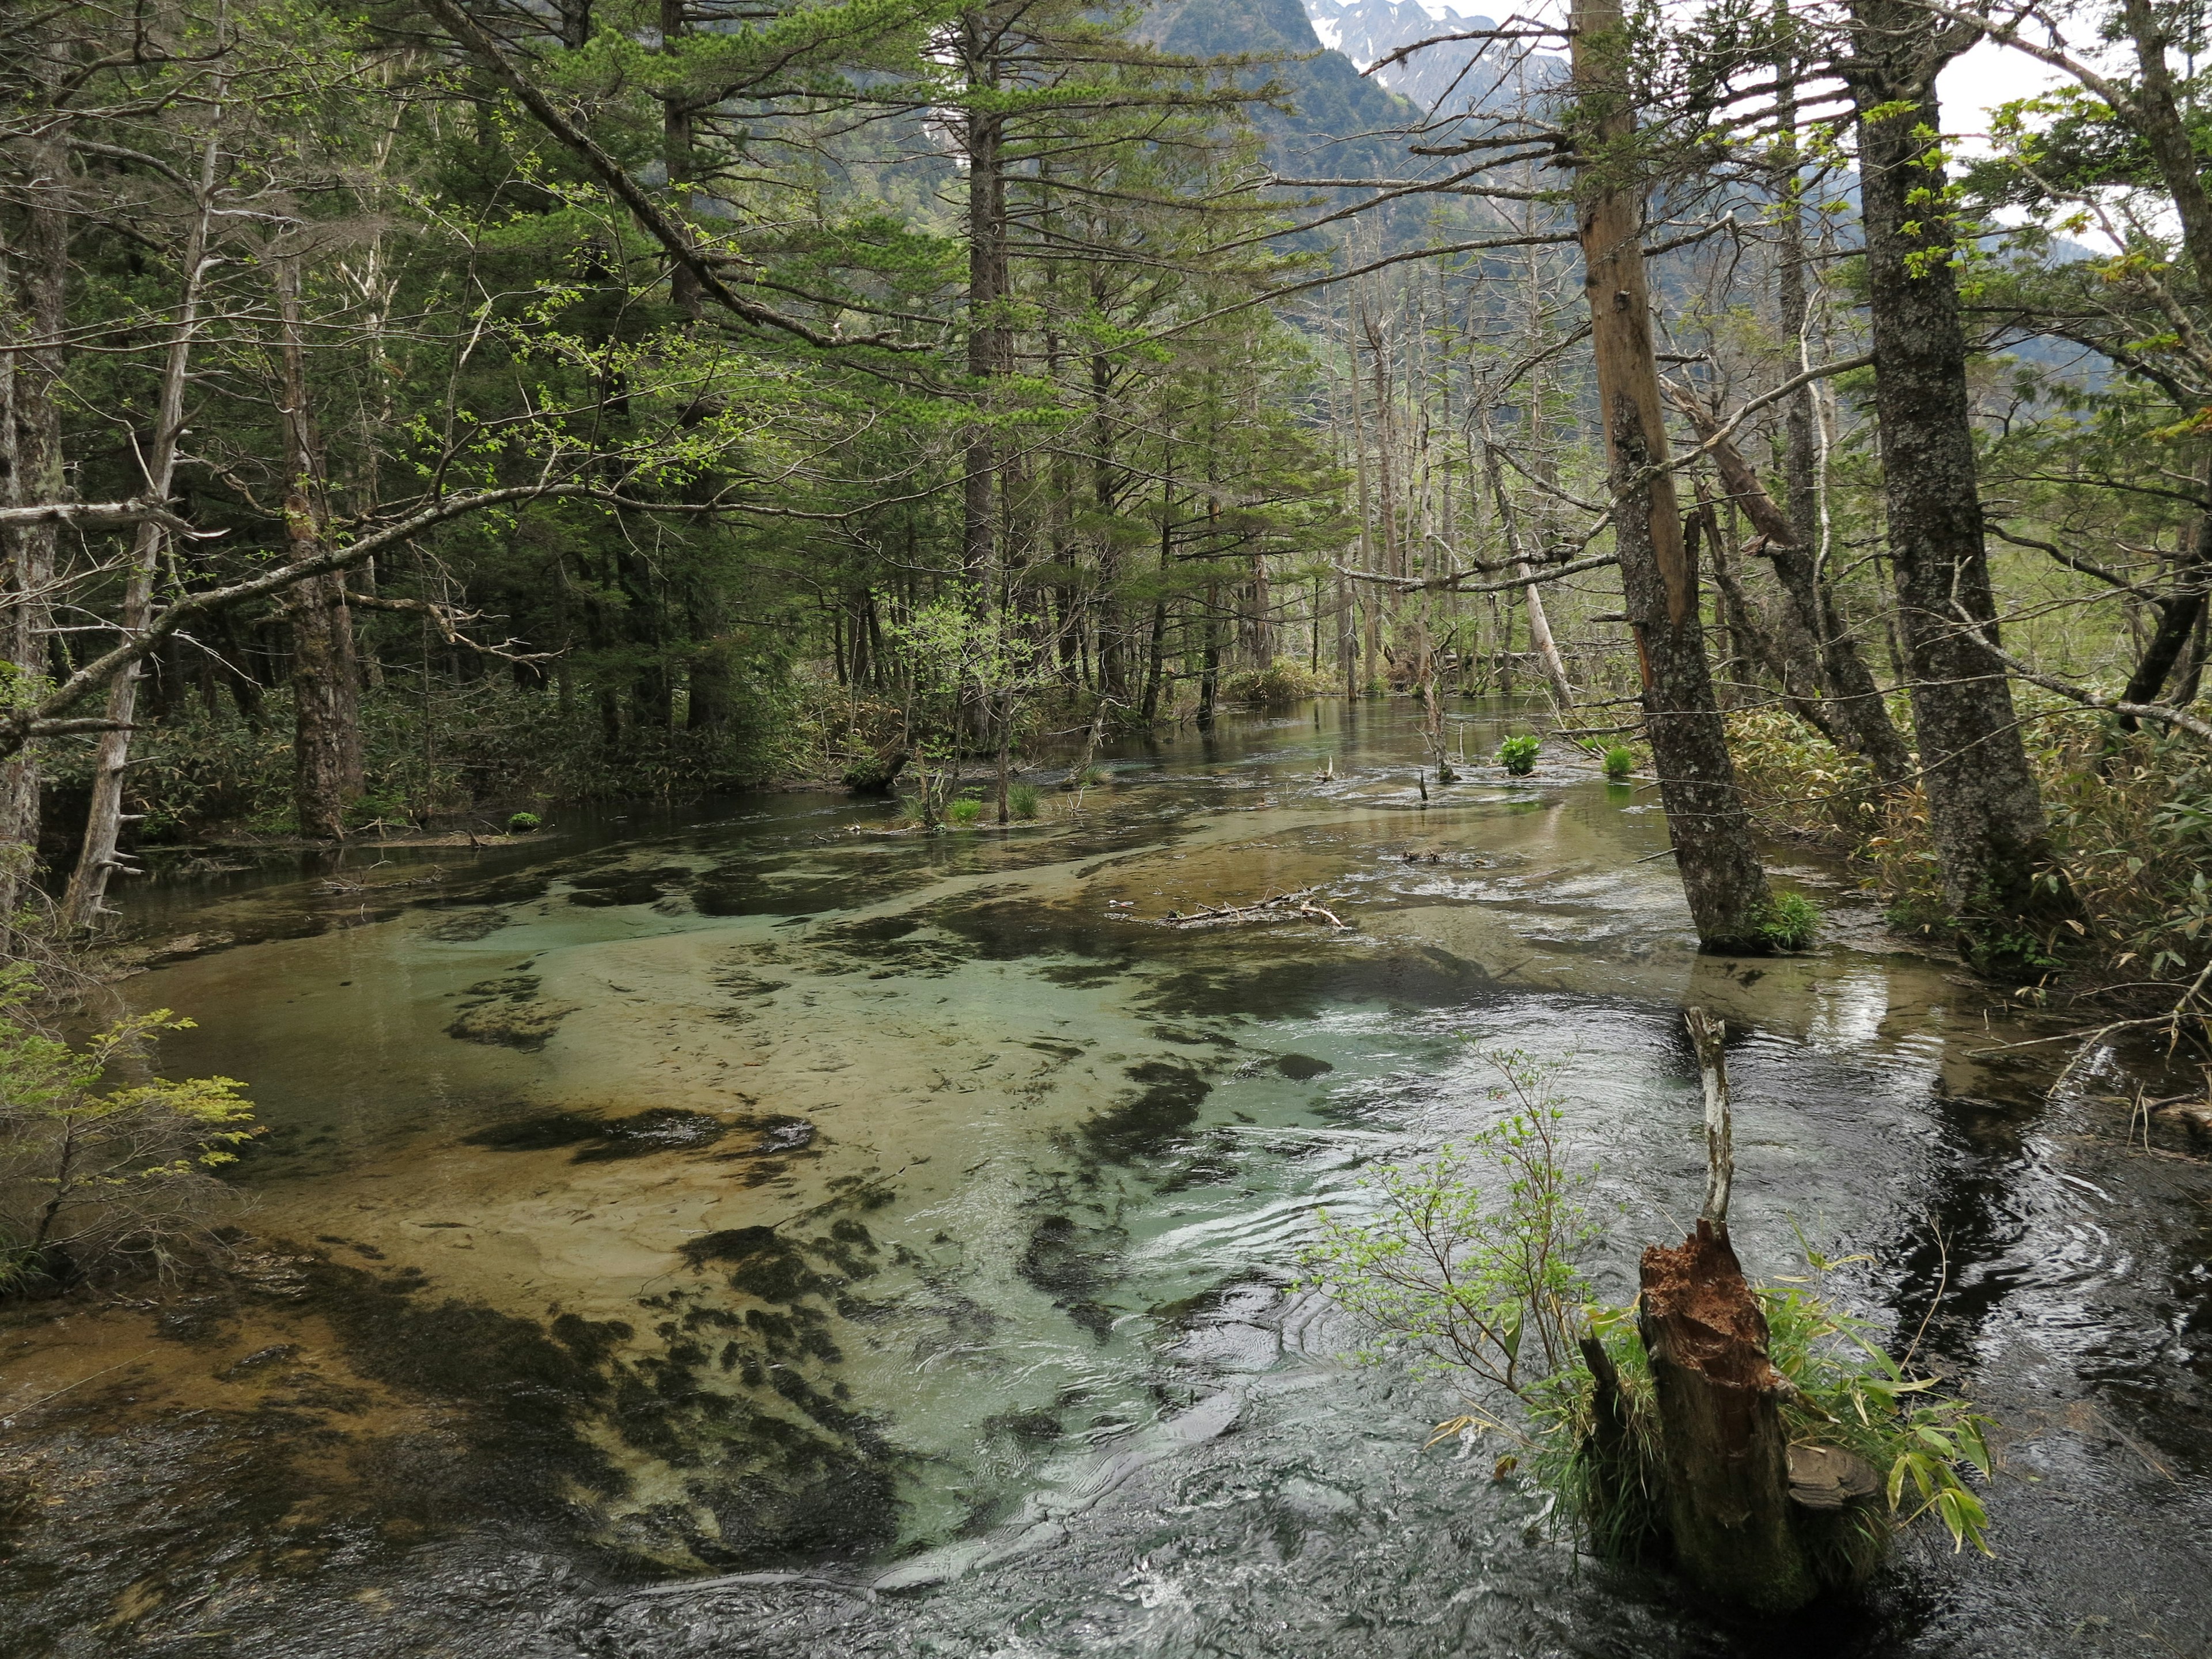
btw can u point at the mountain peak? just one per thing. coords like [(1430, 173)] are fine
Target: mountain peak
[(1461, 73)]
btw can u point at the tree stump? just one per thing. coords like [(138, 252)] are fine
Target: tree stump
[(1726, 1458)]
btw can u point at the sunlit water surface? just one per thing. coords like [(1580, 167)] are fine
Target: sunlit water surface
[(755, 1233)]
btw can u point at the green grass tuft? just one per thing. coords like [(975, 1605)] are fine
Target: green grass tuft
[(1788, 922)]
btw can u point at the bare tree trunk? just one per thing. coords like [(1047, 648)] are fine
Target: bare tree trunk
[(1810, 651), (1540, 625), (97, 859), (1366, 526), (1713, 850), (1984, 809), (1776, 635), (326, 686)]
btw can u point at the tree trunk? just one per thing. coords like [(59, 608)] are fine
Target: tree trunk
[(685, 295), (2179, 610), (1819, 654), (32, 294), (325, 685), (97, 859), (1540, 625), (1776, 637), (1209, 662), (1984, 810), (1720, 869), (1727, 1457), (988, 341)]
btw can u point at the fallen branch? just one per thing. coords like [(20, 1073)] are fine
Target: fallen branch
[(100, 515), (1270, 908)]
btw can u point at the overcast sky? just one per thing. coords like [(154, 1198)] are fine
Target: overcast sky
[(1972, 87)]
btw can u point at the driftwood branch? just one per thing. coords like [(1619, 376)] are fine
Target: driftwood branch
[(1274, 908)]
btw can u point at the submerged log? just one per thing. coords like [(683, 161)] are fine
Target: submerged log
[(1727, 1457)]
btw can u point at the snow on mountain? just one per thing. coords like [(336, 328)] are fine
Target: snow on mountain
[(1457, 73)]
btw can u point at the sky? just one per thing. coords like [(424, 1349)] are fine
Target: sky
[(1984, 78), (1973, 86)]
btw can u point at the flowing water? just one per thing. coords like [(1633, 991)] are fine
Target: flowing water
[(755, 1233)]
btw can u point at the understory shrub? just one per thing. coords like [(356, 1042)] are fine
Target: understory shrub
[(96, 1182), (963, 811), (522, 824), (1619, 760), (2131, 829), (1022, 800)]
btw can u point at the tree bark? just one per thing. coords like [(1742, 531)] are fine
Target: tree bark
[(684, 295), (35, 293), (2181, 609), (326, 702), (1720, 869), (987, 272), (1985, 813), (1727, 1456)]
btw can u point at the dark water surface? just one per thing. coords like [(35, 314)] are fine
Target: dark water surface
[(746, 1233)]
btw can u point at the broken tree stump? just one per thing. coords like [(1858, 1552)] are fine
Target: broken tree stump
[(1727, 1457)]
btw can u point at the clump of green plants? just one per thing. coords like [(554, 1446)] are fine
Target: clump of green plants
[(1470, 1266), (1517, 755), (963, 812), (1619, 762), (1022, 800), (522, 824), (1788, 922), (97, 1183)]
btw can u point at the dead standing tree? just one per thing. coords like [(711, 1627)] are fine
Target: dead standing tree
[(1720, 868)]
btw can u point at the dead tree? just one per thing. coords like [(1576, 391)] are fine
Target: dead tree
[(1720, 868)]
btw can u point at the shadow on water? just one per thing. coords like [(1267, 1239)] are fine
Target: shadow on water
[(742, 1231)]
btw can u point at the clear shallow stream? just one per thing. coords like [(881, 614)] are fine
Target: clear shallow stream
[(750, 1233)]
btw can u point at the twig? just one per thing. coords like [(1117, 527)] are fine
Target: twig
[(1705, 1036)]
